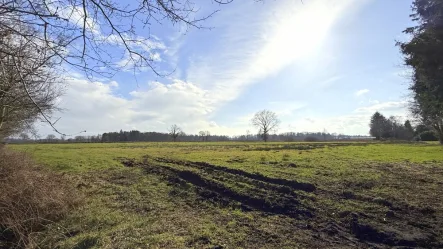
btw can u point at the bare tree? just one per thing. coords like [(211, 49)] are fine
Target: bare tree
[(81, 33), (207, 135), (204, 135), (266, 121), (51, 137), (28, 83), (175, 132), (248, 135)]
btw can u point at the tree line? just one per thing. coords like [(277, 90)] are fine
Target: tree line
[(382, 128), (138, 136), (265, 121)]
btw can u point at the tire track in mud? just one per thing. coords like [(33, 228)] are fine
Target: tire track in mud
[(251, 177), (269, 195), (257, 192)]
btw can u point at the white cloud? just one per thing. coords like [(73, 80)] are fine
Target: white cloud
[(113, 84), (361, 92), (93, 106)]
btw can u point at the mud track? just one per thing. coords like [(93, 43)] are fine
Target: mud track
[(215, 184), (224, 186)]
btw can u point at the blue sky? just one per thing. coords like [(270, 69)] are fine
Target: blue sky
[(323, 64)]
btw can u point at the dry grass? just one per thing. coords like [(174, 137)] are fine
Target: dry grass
[(30, 198)]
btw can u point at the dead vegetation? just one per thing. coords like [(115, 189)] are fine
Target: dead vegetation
[(30, 198)]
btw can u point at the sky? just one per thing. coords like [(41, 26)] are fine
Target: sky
[(319, 65)]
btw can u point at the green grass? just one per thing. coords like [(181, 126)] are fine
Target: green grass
[(167, 200)]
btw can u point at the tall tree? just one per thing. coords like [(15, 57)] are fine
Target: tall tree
[(266, 121), (423, 53)]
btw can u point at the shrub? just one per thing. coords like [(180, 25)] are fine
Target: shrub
[(30, 198), (428, 136)]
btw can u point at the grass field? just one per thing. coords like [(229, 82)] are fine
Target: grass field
[(248, 195)]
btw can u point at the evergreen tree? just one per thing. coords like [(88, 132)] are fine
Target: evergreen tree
[(423, 53)]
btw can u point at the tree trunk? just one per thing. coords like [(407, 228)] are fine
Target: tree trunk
[(439, 130)]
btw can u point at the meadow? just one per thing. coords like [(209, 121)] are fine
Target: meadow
[(248, 195)]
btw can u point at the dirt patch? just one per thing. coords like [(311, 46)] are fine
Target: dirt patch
[(388, 235), (127, 162)]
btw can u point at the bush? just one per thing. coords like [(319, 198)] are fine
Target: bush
[(30, 198), (428, 136)]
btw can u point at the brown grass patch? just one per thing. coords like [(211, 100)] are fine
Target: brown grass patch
[(31, 197)]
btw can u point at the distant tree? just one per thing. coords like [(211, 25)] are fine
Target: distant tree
[(24, 136), (175, 132), (325, 134), (207, 135), (396, 128), (204, 135), (311, 139), (51, 137), (79, 139), (409, 127), (409, 130), (266, 121), (378, 126), (248, 135)]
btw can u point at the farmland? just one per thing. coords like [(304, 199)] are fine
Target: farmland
[(248, 195)]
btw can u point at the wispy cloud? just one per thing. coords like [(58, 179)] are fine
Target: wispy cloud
[(385, 106), (361, 92), (259, 45)]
